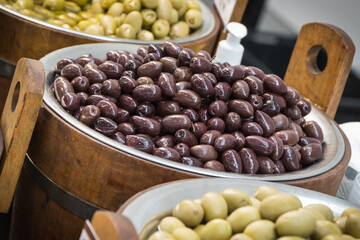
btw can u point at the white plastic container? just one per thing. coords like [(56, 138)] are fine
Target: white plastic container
[(230, 50), (354, 195)]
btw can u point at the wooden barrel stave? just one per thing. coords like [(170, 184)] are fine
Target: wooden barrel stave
[(36, 216)]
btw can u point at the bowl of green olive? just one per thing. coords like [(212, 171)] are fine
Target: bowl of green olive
[(127, 21), (239, 210)]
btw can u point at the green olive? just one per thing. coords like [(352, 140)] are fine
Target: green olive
[(31, 13), (43, 11), (150, 3), (177, 4), (254, 202), (109, 24), (66, 19), (160, 28), (163, 10), (332, 237), (235, 198), (240, 236), (67, 26), (243, 216), (126, 31), (116, 9), (134, 19), (148, 16), (189, 212), (275, 205), (74, 16), (323, 228), (316, 215), (218, 229), (322, 209), (105, 4), (86, 7), (120, 20), (71, 7), (174, 16), (349, 211), (57, 13), (24, 4), (214, 206), (199, 228), (85, 15), (36, 2), (263, 192), (347, 237), (261, 230), (54, 5), (95, 29), (341, 223), (193, 17), (296, 223), (82, 25), (160, 235), (179, 30), (185, 234), (169, 224), (145, 35), (55, 22), (131, 5), (291, 238), (166, 38), (96, 7), (352, 226), (81, 3), (193, 4), (183, 9)]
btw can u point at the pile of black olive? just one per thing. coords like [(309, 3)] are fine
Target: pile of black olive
[(181, 106)]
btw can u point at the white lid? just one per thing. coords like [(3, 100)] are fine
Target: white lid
[(230, 50), (237, 31)]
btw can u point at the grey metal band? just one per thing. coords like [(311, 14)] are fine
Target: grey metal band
[(63, 198), (7, 68)]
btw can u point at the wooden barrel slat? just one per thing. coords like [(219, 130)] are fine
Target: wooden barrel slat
[(36, 216)]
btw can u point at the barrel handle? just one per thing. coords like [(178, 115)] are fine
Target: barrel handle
[(17, 123), (112, 226), (323, 88)]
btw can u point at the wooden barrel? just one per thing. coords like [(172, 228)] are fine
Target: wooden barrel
[(89, 171), (26, 37)]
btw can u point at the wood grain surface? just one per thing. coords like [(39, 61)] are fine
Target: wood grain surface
[(17, 123), (324, 88), (35, 216)]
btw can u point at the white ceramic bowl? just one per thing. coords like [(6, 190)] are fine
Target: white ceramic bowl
[(162, 198)]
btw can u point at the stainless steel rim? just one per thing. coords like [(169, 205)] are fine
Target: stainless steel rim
[(334, 147), (205, 30)]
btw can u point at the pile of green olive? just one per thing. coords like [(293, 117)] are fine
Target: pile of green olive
[(144, 20), (270, 214)]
